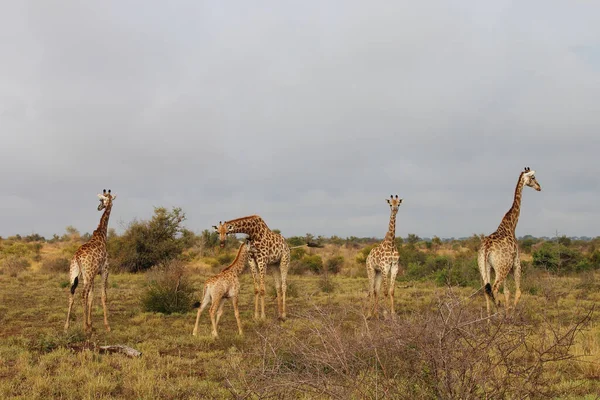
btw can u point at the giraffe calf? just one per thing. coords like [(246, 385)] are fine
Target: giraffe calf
[(225, 285)]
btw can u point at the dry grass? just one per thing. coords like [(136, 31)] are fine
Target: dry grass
[(325, 350)]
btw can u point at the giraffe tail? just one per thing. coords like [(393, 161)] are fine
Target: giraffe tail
[(74, 274), (488, 291)]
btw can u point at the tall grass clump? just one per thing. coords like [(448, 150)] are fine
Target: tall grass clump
[(168, 290), (13, 265)]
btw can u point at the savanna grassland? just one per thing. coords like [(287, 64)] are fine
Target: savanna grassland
[(439, 345)]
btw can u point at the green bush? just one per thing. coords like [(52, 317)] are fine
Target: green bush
[(314, 263), (556, 257), (308, 263), (148, 243), (334, 264), (297, 254), (361, 257), (168, 290), (459, 273), (55, 265)]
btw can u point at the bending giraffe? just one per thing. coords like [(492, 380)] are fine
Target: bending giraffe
[(87, 262), (271, 249), (383, 261), (500, 251), (225, 285)]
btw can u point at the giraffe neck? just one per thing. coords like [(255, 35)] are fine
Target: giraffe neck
[(237, 266), (103, 225), (390, 236), (509, 222), (253, 226)]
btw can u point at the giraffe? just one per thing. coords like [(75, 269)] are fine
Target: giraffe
[(225, 285), (500, 251), (271, 249), (88, 261), (383, 260)]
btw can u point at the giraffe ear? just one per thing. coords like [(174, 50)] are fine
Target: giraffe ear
[(214, 226), (388, 201), (529, 173), (229, 227), (101, 196), (114, 196)]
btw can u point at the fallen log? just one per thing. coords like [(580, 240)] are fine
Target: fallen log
[(119, 348)]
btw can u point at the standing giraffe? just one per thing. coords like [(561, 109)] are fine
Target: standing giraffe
[(225, 285), (88, 261), (383, 260), (500, 251), (271, 249)]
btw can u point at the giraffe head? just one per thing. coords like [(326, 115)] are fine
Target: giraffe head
[(222, 229), (105, 199), (528, 177), (394, 202)]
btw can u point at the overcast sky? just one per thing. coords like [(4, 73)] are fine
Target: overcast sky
[(309, 114)]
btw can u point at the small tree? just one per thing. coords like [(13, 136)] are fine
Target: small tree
[(412, 239), (148, 243)]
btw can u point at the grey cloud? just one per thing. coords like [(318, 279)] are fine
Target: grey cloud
[(309, 114)]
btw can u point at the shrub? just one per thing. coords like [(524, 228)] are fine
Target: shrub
[(334, 264), (297, 254), (308, 263), (362, 255), (148, 243), (443, 352), (168, 289), (326, 284), (556, 257), (55, 264), (13, 265), (314, 263)]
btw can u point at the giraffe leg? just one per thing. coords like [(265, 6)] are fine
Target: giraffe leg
[(378, 278), (84, 300), (501, 273), (205, 301), (74, 278), (385, 277), (371, 276), (256, 288), (104, 286), (212, 311), (261, 271), (220, 311), (71, 300), (393, 273), (485, 269), (236, 311), (284, 267), (90, 300), (277, 279), (517, 272), (506, 296)]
